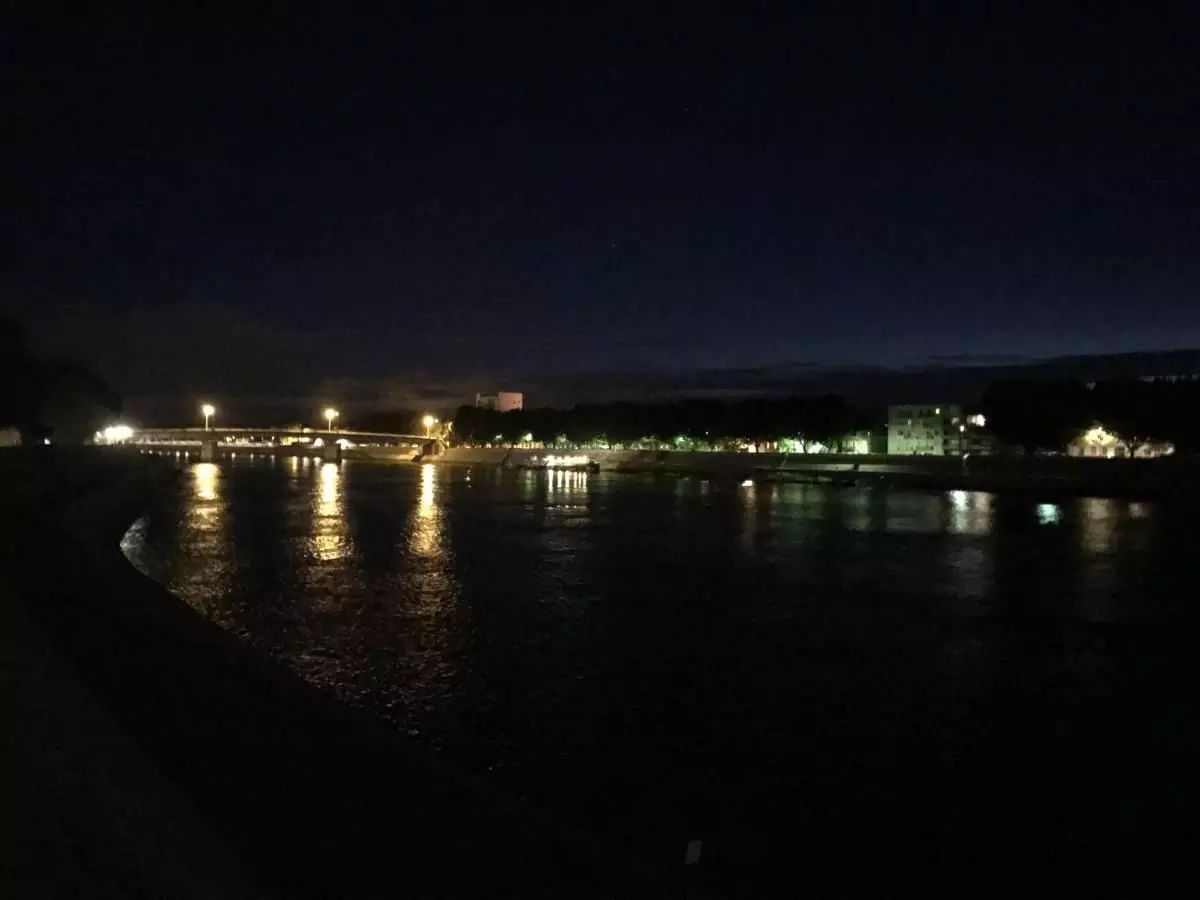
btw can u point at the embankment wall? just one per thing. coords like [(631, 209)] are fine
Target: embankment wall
[(322, 799)]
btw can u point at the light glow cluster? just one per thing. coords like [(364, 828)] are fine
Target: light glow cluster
[(1099, 435), (114, 434), (557, 462)]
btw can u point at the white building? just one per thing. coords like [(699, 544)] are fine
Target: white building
[(933, 430), (1100, 443), (502, 401)]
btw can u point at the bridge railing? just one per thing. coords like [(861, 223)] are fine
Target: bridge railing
[(199, 432)]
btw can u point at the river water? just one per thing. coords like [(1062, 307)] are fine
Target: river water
[(834, 688)]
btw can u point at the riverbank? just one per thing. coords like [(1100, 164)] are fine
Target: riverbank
[(90, 813), (213, 771), (1064, 476)]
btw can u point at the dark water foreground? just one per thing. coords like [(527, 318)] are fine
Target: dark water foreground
[(316, 798), (843, 692)]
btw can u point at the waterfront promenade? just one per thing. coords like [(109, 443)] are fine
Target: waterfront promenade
[(157, 755)]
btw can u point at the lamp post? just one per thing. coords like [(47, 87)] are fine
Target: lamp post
[(208, 411), (330, 415), (428, 422)]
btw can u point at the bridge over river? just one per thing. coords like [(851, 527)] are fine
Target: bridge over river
[(209, 443), (274, 436)]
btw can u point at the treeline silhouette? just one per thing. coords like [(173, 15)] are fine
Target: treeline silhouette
[(1049, 414), (822, 418), (66, 401), (1026, 414), (51, 398)]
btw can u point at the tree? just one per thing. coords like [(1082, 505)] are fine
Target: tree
[(1038, 415), (74, 402), (545, 425), (1154, 411), (829, 418), (625, 423), (583, 425), (19, 377), (63, 399), (473, 425), (681, 423), (513, 425)]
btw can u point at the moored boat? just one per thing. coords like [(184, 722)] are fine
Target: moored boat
[(553, 463)]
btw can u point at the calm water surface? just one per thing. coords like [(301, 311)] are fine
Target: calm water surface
[(833, 687)]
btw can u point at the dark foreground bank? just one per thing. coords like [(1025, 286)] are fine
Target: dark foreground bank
[(203, 769)]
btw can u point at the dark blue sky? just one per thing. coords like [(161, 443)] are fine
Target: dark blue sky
[(458, 196)]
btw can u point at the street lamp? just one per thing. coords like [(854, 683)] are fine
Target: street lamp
[(330, 415), (428, 422), (208, 411)]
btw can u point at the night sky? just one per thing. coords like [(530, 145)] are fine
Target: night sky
[(436, 199)]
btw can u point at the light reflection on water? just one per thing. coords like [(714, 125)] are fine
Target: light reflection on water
[(915, 513), (426, 528), (972, 513), (1098, 519), (330, 538), (539, 623), (205, 476), (1048, 513), (898, 540), (208, 525), (429, 589), (563, 485)]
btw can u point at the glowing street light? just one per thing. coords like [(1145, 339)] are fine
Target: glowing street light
[(429, 421), (330, 415), (208, 411), (114, 434)]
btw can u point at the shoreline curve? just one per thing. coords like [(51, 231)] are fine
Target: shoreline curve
[(318, 798)]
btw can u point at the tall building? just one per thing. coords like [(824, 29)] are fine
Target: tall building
[(925, 430), (501, 401)]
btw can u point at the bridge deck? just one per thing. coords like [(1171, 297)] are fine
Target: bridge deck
[(157, 435)]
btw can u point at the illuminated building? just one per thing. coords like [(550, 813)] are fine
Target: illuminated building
[(114, 434), (933, 430), (1098, 442), (501, 401)]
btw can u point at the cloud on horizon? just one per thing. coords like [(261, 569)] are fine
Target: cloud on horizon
[(167, 358)]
